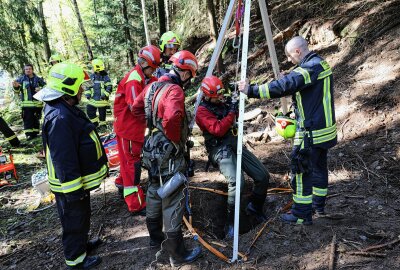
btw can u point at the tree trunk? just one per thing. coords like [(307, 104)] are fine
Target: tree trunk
[(127, 33), (46, 44), (166, 6), (214, 31), (146, 31), (161, 17), (78, 15)]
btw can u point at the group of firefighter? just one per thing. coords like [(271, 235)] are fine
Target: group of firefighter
[(152, 129)]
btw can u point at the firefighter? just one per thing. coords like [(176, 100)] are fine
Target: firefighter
[(76, 161), (169, 44), (129, 141), (311, 87), (216, 118), (161, 104), (9, 135), (99, 94), (55, 59), (27, 85)]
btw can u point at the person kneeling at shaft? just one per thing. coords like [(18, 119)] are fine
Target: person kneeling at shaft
[(163, 106), (216, 118)]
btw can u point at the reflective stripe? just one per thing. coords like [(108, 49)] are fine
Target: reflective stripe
[(130, 190), (324, 74), (102, 123), (299, 184), (31, 130), (94, 179), (12, 137), (133, 92), (30, 104), (72, 185), (318, 136), (134, 76), (108, 83), (106, 93), (305, 74), (94, 120), (76, 261), (327, 101), (300, 109), (264, 91), (320, 191), (97, 143), (50, 169), (302, 199), (98, 103), (101, 82)]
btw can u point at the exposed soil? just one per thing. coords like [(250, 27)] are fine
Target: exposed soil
[(361, 41)]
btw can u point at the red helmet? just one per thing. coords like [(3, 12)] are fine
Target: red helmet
[(212, 87), (151, 54), (185, 60)]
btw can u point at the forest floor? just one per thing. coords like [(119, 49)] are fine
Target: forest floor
[(361, 41)]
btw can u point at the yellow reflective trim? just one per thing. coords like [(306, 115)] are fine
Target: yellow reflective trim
[(12, 137), (300, 108), (299, 184), (325, 65), (94, 120), (71, 186), (134, 76), (98, 103), (302, 199), (320, 191), (305, 74), (324, 74), (97, 143), (76, 261), (96, 175), (327, 102), (325, 138), (264, 91)]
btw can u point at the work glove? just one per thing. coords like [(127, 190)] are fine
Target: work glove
[(234, 104), (76, 195), (300, 160)]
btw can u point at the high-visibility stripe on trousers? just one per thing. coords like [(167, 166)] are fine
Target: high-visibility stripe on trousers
[(310, 189)]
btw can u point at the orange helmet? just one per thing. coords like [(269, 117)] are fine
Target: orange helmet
[(185, 60), (212, 87), (151, 54)]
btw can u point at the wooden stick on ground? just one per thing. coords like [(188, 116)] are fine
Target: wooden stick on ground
[(204, 243), (332, 253), (210, 190), (389, 244), (367, 254)]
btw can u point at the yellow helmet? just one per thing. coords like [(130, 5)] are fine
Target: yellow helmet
[(169, 38), (55, 58), (98, 65), (67, 78), (285, 126)]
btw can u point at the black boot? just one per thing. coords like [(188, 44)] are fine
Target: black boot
[(255, 207), (178, 254), (155, 230), (93, 244), (230, 217), (88, 263)]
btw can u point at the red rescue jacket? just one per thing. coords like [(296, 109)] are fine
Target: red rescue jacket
[(129, 88), (171, 109)]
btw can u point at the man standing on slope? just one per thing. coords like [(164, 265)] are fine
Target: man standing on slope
[(311, 88)]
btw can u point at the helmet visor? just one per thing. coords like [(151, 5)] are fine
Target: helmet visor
[(172, 46)]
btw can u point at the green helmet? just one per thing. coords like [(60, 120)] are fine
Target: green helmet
[(55, 58), (285, 126), (98, 65), (169, 38), (67, 78)]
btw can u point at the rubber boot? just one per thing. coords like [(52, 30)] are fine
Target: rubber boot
[(255, 207), (178, 254), (93, 244), (230, 218), (289, 218), (88, 263), (154, 225)]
